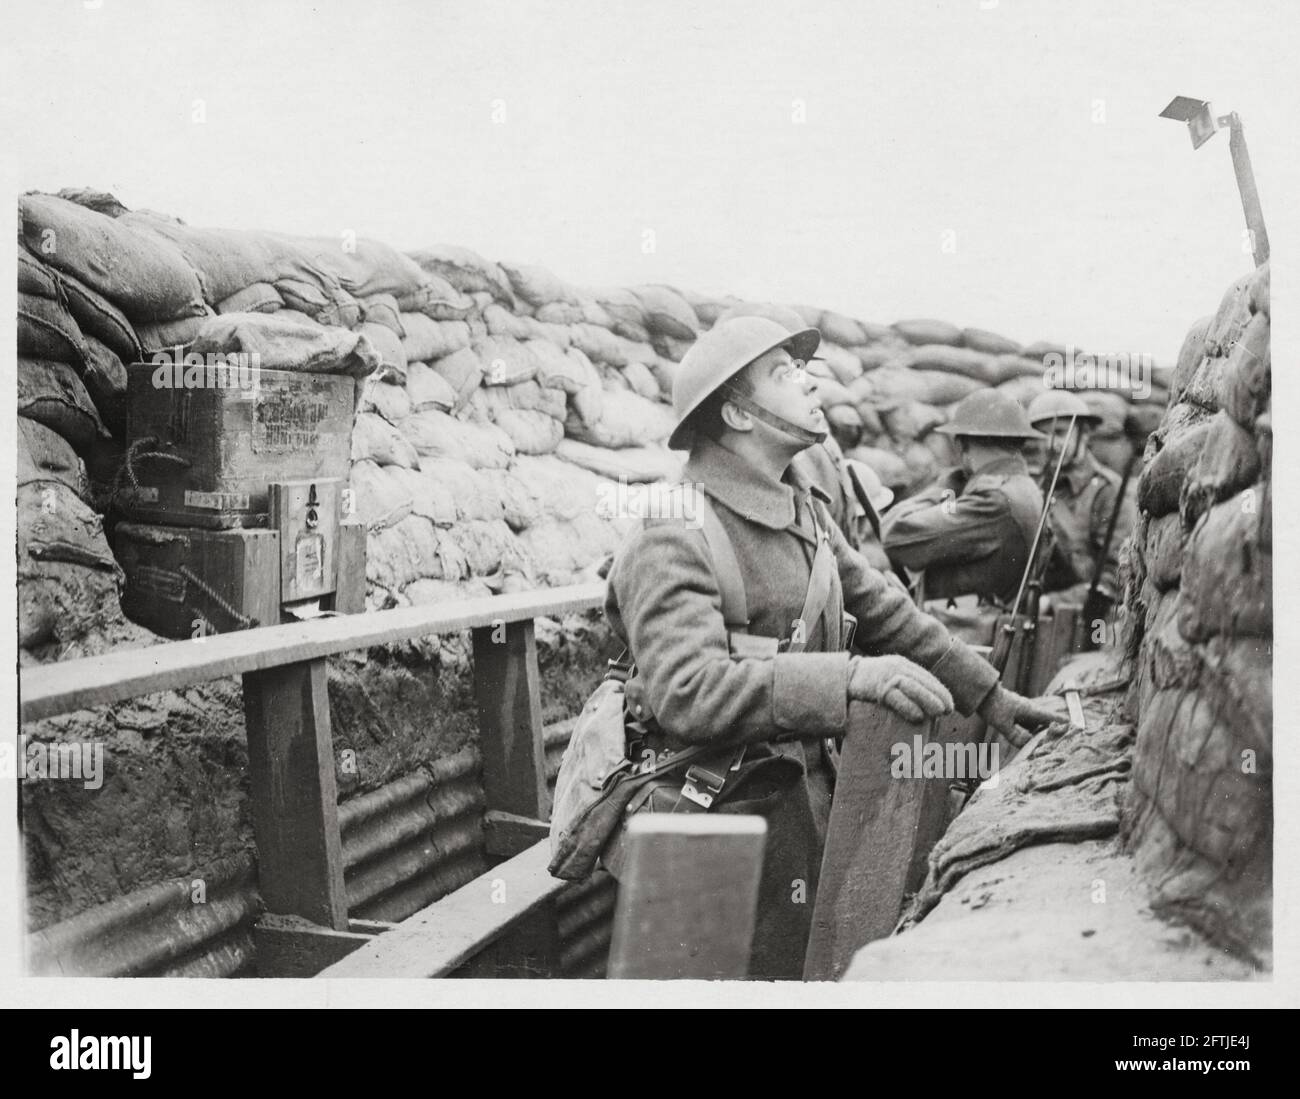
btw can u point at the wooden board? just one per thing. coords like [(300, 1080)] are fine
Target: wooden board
[(350, 593), (442, 937), (688, 897), (870, 842), (294, 794), (289, 946), (98, 681), (507, 687), (241, 566)]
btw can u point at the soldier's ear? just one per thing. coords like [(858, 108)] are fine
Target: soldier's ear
[(737, 419)]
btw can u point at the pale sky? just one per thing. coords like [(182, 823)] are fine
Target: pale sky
[(996, 163)]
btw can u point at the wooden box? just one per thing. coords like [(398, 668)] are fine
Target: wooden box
[(185, 582), (232, 440)]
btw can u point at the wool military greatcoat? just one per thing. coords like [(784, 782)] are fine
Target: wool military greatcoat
[(665, 603)]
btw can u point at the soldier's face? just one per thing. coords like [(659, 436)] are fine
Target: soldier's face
[(782, 385), (1041, 452)]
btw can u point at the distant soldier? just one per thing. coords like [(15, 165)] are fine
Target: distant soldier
[(971, 531), (1083, 503)]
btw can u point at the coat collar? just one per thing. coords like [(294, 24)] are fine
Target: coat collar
[(732, 481)]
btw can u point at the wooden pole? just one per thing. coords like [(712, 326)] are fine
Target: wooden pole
[(688, 898), (294, 793)]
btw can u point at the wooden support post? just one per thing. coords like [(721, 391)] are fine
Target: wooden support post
[(507, 688), (871, 842), (294, 794), (350, 595), (506, 835), (688, 898)]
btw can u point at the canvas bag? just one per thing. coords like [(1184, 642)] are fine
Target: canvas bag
[(598, 786)]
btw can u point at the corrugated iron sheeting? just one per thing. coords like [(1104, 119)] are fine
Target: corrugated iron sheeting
[(146, 932), (585, 914)]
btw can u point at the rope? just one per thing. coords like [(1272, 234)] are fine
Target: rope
[(244, 621), (136, 453)]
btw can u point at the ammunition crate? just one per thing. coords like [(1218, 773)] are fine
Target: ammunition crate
[(227, 441)]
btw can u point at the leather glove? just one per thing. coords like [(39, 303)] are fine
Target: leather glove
[(906, 688), (1011, 715)]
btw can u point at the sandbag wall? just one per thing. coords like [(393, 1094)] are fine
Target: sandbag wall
[(1199, 627), (495, 405)]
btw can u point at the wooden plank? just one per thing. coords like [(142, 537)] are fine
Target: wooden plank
[(507, 687), (294, 795), (505, 835), (98, 681), (530, 950), (870, 842), (289, 946), (442, 937), (935, 802), (688, 898), (350, 595)]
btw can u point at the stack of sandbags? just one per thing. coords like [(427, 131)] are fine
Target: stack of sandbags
[(1199, 631)]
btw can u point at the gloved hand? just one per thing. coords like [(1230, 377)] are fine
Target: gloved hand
[(894, 681), (1017, 718)]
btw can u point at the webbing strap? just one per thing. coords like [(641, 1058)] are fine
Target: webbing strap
[(819, 591), (726, 568)]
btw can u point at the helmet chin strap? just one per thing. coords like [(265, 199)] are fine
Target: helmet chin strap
[(779, 423)]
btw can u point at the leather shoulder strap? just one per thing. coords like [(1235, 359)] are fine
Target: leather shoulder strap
[(726, 568)]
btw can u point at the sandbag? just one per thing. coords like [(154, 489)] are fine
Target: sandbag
[(428, 389), (909, 420), (1259, 295), (330, 305), (502, 322), (636, 465), (261, 297), (941, 388), (528, 396), (430, 496), (427, 592), (887, 386), (593, 312), (829, 392), (1040, 349), (45, 455), (660, 346), (437, 299), (1247, 381), (600, 345), (839, 329), (1165, 544), (68, 579), (1142, 419), (1112, 451), (1007, 367), (641, 380), (559, 312), (230, 260), (629, 319), (975, 365), (844, 365), (51, 394), (1190, 355), (535, 284), (463, 372), (980, 339), (35, 278), (667, 313), (488, 546), (889, 467), (922, 465), (1230, 318), (1110, 407), (465, 270), (47, 331), (438, 435), (363, 267), (626, 420), (1162, 480), (845, 424), (535, 489), (505, 361), (288, 345), (387, 345), (874, 356), (1227, 577), (708, 310), (105, 378), (473, 492), (390, 401), (375, 438), (98, 317), (531, 432), (382, 309), (145, 276), (921, 332), (407, 550), (181, 333), (427, 340), (381, 499), (1227, 463)]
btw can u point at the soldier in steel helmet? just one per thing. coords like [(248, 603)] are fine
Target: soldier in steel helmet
[(971, 530), (1085, 498), (779, 686)]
